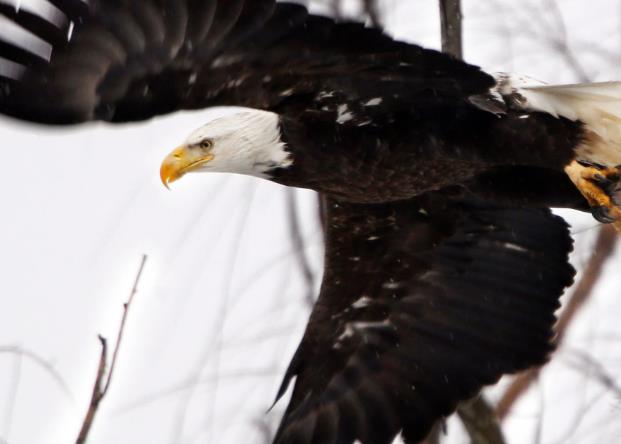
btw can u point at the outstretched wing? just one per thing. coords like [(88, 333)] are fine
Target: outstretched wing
[(123, 60), (422, 303)]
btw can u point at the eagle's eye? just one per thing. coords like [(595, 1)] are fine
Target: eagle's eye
[(205, 144)]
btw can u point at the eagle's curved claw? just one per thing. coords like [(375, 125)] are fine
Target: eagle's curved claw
[(603, 215), (601, 186)]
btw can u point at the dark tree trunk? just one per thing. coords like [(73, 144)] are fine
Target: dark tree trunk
[(450, 17)]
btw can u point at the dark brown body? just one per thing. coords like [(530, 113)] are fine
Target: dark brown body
[(403, 154)]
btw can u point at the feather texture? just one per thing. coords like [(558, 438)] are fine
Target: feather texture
[(466, 293), (597, 105)]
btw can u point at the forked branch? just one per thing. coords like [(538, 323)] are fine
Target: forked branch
[(103, 379)]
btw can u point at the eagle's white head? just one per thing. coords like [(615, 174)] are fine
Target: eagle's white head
[(245, 143)]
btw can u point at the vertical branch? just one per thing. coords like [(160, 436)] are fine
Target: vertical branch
[(336, 7), (372, 10), (450, 19), (299, 247), (12, 398), (435, 436), (477, 416), (561, 44), (480, 422)]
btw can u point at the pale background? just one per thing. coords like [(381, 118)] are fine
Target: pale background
[(221, 305)]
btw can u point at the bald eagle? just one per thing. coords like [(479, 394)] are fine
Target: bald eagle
[(444, 265)]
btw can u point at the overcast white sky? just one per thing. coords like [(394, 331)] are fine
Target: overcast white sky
[(220, 307)]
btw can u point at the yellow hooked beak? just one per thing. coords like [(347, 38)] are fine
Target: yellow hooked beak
[(182, 160)]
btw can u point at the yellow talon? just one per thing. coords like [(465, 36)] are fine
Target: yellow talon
[(597, 185)]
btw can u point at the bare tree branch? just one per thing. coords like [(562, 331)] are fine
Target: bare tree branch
[(206, 382), (336, 9), (602, 251), (97, 395), (477, 416), (14, 387), (435, 436), (299, 248), (372, 10), (450, 19), (41, 362), (265, 429), (211, 353), (594, 369), (102, 382), (561, 44), (480, 422)]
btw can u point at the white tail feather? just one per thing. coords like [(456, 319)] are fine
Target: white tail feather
[(597, 105)]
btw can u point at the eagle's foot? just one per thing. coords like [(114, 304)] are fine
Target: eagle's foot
[(601, 186)]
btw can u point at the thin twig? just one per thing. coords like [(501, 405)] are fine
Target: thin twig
[(212, 351), (102, 382), (265, 430), (41, 362), (577, 420), (561, 44), (295, 231), (119, 338), (540, 419), (13, 390), (205, 382), (602, 251), (594, 369)]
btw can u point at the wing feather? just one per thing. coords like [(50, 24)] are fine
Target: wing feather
[(464, 293), (125, 60)]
